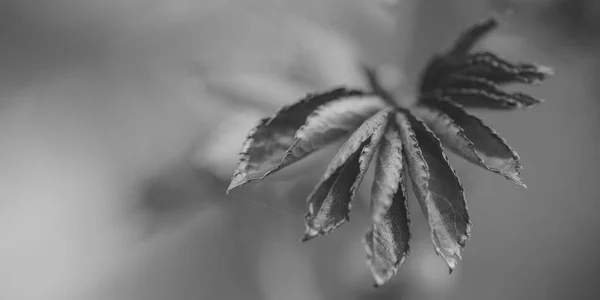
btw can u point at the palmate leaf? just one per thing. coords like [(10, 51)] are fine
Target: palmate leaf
[(409, 145)]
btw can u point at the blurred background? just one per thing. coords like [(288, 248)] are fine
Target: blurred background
[(120, 123)]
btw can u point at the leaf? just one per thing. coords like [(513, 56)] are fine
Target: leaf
[(387, 243), (267, 143), (330, 122), (329, 203), (437, 69), (388, 173), (410, 145), (450, 134), (443, 69), (478, 92), (493, 68), (437, 188), (465, 134), (472, 35)]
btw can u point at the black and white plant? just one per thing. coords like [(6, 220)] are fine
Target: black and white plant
[(407, 142)]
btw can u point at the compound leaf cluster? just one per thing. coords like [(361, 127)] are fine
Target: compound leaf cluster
[(407, 143)]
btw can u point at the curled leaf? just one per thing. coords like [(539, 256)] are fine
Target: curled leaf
[(387, 242), (329, 203), (267, 143), (479, 92), (500, 71), (490, 150), (437, 188), (473, 79)]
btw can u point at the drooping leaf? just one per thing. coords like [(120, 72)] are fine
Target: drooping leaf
[(473, 79), (437, 188), (330, 122), (329, 203), (387, 242), (441, 66), (468, 136), (267, 143), (478, 92), (493, 68)]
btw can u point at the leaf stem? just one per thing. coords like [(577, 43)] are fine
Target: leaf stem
[(376, 88), (380, 91)]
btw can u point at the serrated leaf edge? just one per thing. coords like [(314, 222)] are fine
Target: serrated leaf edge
[(238, 179), (425, 187), (364, 163), (516, 176)]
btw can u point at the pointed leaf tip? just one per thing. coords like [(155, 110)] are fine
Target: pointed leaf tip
[(266, 149), (469, 137), (500, 71), (236, 181), (480, 92), (548, 71), (309, 235), (473, 34), (515, 178)]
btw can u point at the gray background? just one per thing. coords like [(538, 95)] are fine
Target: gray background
[(106, 119)]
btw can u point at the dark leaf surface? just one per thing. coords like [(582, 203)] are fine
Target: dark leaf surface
[(479, 92), (329, 203), (387, 243), (443, 65), (492, 151), (409, 140), (267, 143), (473, 79), (500, 71), (467, 40), (450, 134), (437, 188), (330, 122)]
